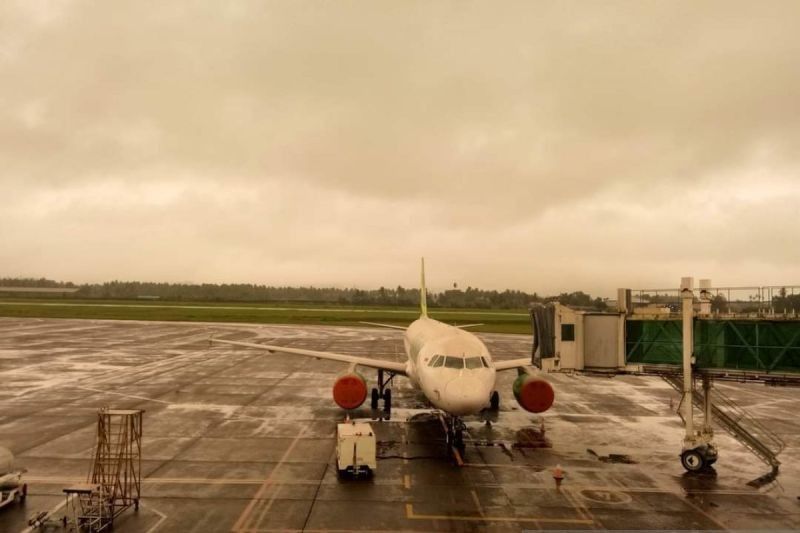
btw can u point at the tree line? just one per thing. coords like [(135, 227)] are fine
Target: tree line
[(248, 292)]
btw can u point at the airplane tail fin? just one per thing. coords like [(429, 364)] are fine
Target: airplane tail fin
[(423, 293)]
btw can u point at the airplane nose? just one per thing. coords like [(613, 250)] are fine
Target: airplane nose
[(466, 395)]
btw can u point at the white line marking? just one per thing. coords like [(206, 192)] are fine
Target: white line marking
[(159, 513)]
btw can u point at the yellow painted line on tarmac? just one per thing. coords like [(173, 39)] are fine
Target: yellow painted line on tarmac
[(477, 503), (497, 465), (245, 517), (705, 513), (411, 515), (578, 506), (222, 481), (457, 455), (134, 396), (407, 481), (166, 481), (287, 530), (268, 506), (181, 481)]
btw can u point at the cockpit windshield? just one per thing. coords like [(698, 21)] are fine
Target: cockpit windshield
[(473, 362), (455, 362)]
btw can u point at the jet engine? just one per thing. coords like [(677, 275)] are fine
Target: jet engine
[(349, 390), (533, 394)]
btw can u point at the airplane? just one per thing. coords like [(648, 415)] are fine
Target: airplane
[(452, 367), (12, 489)]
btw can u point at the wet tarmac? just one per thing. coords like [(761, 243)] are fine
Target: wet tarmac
[(241, 440)]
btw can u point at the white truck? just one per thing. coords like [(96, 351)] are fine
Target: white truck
[(11, 486), (355, 449)]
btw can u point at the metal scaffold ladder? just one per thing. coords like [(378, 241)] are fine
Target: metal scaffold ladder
[(736, 421), (114, 482)]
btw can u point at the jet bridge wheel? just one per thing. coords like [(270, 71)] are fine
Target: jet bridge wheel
[(693, 460)]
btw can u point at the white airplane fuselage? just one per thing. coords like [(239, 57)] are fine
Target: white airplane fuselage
[(452, 367)]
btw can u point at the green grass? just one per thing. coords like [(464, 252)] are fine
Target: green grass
[(499, 321)]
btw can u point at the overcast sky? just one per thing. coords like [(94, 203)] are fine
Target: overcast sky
[(547, 146)]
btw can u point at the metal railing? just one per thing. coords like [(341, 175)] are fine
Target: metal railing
[(737, 422), (768, 300)]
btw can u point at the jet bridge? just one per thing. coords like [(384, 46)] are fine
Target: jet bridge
[(678, 334)]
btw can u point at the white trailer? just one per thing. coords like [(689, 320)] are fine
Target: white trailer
[(355, 449)]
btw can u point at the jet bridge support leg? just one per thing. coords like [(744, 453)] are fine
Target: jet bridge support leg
[(698, 447)]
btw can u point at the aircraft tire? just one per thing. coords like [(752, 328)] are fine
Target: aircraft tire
[(387, 400), (693, 460), (494, 401), (375, 398)]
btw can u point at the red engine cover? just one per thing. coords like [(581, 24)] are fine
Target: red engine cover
[(349, 391), (534, 394)]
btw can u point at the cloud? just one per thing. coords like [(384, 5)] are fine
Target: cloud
[(546, 146)]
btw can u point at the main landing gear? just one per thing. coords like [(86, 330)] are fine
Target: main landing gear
[(383, 392)]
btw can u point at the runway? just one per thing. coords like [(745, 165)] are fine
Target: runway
[(241, 440)]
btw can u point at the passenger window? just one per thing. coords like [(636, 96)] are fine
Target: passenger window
[(473, 362), (438, 361), (453, 362)]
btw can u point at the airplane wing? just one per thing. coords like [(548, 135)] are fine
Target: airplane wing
[(390, 326), (512, 364), (465, 326), (391, 366)]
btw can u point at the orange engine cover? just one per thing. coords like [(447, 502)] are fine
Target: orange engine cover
[(533, 394), (349, 390)]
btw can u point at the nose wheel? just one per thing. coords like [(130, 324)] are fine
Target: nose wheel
[(382, 392), (494, 401), (377, 397)]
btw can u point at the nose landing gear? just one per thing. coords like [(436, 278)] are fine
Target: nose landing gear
[(382, 392), (494, 401)]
